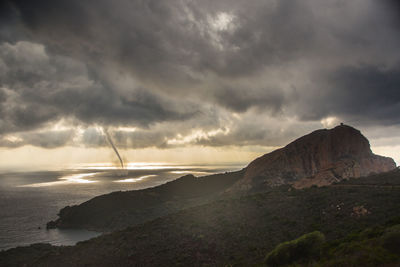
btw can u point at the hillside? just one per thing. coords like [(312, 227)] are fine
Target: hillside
[(239, 231), (118, 210), (321, 157)]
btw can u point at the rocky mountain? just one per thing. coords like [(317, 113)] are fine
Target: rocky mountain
[(319, 158)]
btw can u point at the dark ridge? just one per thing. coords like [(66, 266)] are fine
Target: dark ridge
[(118, 210)]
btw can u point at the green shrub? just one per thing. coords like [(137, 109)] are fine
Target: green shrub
[(375, 246), (301, 249)]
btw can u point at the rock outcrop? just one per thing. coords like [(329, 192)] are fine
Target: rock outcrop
[(319, 158)]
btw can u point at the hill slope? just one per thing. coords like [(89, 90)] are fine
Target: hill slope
[(231, 231), (118, 210)]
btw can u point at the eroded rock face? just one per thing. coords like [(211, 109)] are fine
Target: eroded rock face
[(319, 158)]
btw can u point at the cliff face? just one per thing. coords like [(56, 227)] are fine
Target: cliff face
[(319, 158)]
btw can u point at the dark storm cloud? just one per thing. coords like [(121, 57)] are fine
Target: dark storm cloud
[(47, 139), (366, 94), (142, 139), (150, 63), (241, 99), (44, 89), (159, 40), (6, 12)]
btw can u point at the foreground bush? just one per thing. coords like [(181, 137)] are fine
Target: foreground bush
[(371, 247), (301, 249)]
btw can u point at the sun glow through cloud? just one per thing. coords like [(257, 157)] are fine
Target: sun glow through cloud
[(222, 21), (330, 122), (197, 135)]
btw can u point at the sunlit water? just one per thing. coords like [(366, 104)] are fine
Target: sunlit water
[(28, 200)]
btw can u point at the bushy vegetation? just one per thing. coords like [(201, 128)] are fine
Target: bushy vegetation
[(301, 249), (378, 246)]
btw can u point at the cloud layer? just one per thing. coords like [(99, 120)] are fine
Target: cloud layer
[(180, 72)]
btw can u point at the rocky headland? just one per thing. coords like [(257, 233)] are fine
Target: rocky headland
[(320, 158)]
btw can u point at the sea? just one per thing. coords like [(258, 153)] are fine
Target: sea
[(29, 199)]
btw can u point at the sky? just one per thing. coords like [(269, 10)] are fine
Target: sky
[(192, 81)]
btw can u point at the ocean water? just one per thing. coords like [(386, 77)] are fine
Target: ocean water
[(28, 200)]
